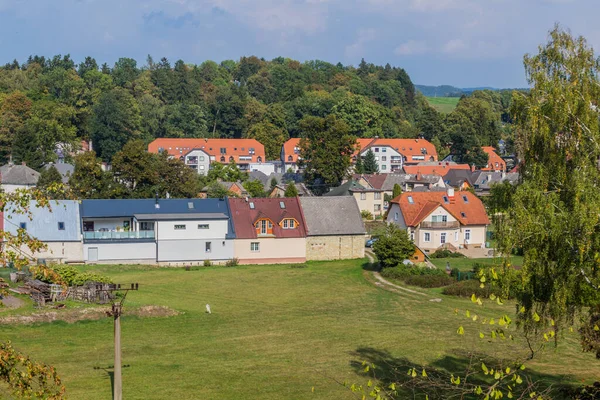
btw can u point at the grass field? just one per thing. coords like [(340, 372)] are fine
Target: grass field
[(466, 264), (275, 333), (443, 104)]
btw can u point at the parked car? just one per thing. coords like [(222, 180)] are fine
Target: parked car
[(370, 242)]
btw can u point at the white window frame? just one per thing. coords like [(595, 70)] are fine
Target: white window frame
[(255, 247), (467, 234), (203, 226), (443, 238), (396, 216), (427, 237), (456, 236), (179, 227), (377, 195), (363, 196)]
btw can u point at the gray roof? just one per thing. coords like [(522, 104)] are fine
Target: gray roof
[(401, 179), (483, 180), (345, 189), (12, 174), (64, 169), (336, 215), (456, 177)]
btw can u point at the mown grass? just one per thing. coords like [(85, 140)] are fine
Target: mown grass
[(443, 104), (466, 264), (275, 333)]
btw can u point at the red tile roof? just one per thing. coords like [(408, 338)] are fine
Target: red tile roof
[(441, 168), (493, 158), (422, 149), (424, 203), (289, 149), (235, 148), (244, 217)]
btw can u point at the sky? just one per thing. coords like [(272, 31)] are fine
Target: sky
[(465, 43)]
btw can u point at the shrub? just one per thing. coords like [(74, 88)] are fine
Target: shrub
[(429, 281), (234, 262), (366, 214), (445, 253), (207, 263), (455, 272), (71, 276), (467, 289), (402, 272)]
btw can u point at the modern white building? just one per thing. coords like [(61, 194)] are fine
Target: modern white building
[(198, 160)]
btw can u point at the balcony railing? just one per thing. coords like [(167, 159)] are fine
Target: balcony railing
[(439, 225), (126, 235), (396, 160)]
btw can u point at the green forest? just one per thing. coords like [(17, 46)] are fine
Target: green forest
[(47, 103)]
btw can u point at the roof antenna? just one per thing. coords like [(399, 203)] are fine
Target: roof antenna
[(156, 205)]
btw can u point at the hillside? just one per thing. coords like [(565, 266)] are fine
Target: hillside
[(444, 105), (439, 91)]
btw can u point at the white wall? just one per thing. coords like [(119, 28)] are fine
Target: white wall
[(271, 250), (124, 252), (109, 223), (194, 250), (203, 164), (265, 168), (12, 188), (217, 230)]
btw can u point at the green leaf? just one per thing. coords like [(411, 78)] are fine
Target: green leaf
[(484, 368)]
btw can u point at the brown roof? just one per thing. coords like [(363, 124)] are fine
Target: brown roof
[(440, 168), (375, 180), (470, 212), (235, 148), (493, 158), (244, 216)]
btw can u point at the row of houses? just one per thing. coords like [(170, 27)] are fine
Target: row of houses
[(190, 231)]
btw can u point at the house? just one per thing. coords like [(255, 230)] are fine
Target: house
[(407, 182), (457, 221), (368, 198), (13, 177), (495, 162), (460, 179), (335, 230), (57, 227), (200, 153), (234, 188), (162, 231), (279, 190), (434, 168), (65, 170), (392, 154), (268, 231), (484, 180)]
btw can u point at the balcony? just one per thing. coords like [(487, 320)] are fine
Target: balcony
[(396, 160), (118, 236), (440, 225)]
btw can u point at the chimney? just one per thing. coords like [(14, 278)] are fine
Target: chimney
[(472, 167), (450, 193), (418, 177), (503, 174)]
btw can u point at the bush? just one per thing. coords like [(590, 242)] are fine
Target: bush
[(467, 289), (207, 263), (445, 253), (366, 214), (455, 272), (72, 276), (429, 281), (234, 262)]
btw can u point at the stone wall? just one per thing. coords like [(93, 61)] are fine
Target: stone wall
[(335, 247)]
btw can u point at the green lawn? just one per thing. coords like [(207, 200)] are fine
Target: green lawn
[(444, 105), (275, 333), (466, 264)]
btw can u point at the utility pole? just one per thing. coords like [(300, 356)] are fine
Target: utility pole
[(116, 312)]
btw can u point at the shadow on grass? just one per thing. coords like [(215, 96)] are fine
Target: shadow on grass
[(388, 370)]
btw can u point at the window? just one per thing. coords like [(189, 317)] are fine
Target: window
[(383, 158), (146, 226), (456, 236), (376, 149), (383, 149), (202, 226), (465, 199), (250, 150), (290, 158), (281, 205), (251, 205), (201, 166), (377, 196), (201, 158), (383, 167), (412, 235), (23, 225), (207, 247), (179, 227), (443, 237), (410, 200), (223, 150), (190, 205), (462, 214), (446, 200), (231, 159), (396, 216), (255, 246), (61, 226), (439, 218), (259, 159), (467, 234), (427, 237), (377, 207), (363, 196), (289, 223), (222, 158), (263, 227)]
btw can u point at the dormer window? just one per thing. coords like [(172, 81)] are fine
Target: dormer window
[(446, 200), (410, 200), (465, 199), (264, 227), (290, 158), (289, 223)]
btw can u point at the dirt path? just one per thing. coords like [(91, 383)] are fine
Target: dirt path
[(385, 284)]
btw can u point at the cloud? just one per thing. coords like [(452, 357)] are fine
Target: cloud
[(357, 49), (454, 46), (411, 47)]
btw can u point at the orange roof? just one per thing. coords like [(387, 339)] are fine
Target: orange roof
[(495, 162), (469, 212), (414, 150), (289, 149), (441, 168), (250, 149)]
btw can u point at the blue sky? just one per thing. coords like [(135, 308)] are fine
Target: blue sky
[(458, 42)]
